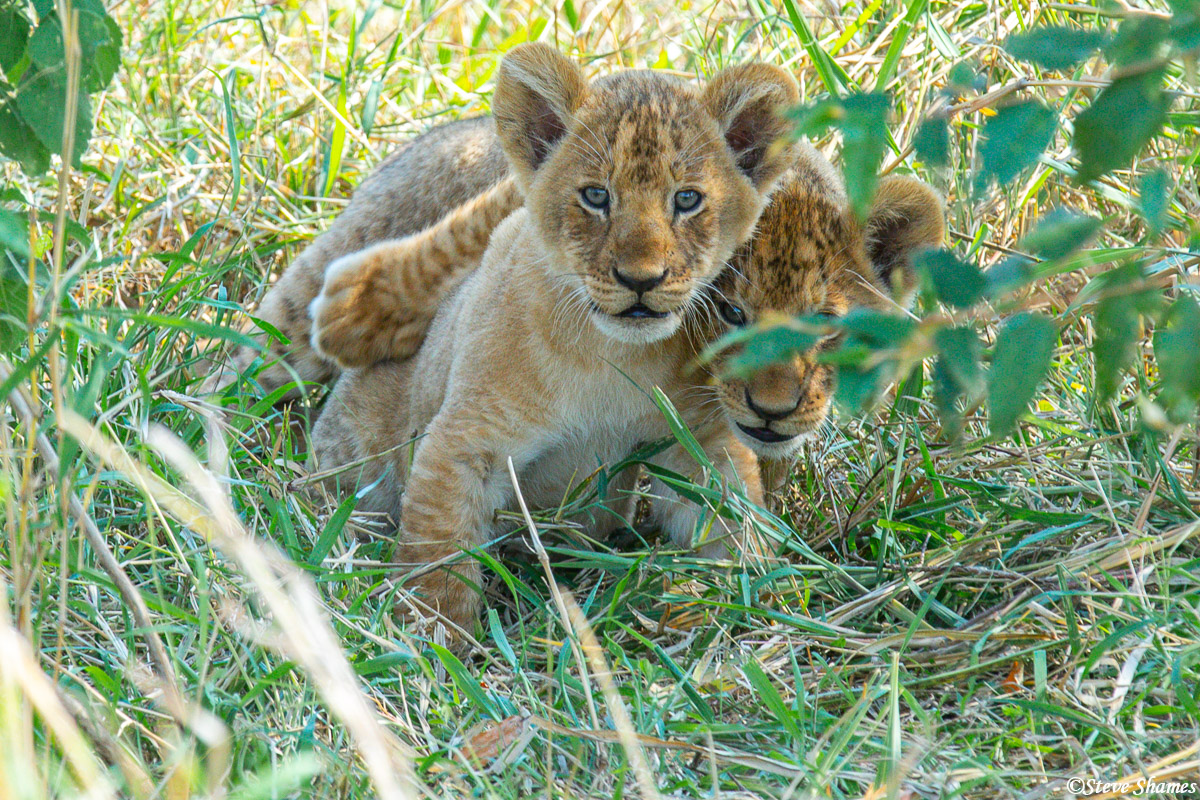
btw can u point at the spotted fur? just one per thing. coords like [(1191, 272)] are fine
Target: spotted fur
[(810, 255)]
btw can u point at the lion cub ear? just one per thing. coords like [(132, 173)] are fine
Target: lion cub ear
[(537, 93), (748, 102), (906, 216)]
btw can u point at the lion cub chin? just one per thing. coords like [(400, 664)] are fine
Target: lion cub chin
[(638, 187)]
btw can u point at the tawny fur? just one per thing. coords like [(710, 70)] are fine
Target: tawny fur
[(412, 190), (377, 303), (530, 358), (810, 255)]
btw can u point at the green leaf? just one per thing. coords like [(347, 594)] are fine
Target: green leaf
[(875, 328), (1049, 709), (946, 392), (957, 283), (898, 39), (1155, 200), (962, 78), (1013, 139), (107, 58), (772, 344), (1060, 233), (862, 119), (864, 139), (814, 119), (1185, 24), (14, 35), (235, 156), (861, 375), (941, 39), (99, 45), (832, 75), (14, 233), (679, 428), (332, 530), (1125, 300), (1138, 39), (1009, 274), (371, 106), (932, 142), (46, 44), (466, 683), (857, 386), (770, 697), (41, 103), (20, 143), (960, 353), (14, 300), (1055, 47), (1020, 362), (1126, 115), (571, 14), (1176, 344)]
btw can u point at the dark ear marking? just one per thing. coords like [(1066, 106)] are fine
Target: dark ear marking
[(544, 133)]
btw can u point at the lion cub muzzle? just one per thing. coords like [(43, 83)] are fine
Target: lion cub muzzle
[(782, 405)]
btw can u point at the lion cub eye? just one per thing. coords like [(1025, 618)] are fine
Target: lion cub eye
[(830, 318), (687, 200), (732, 314), (595, 197)]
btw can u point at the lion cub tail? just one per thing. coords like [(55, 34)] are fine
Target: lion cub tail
[(377, 304)]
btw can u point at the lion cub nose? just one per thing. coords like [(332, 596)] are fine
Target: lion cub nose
[(772, 395), (639, 280)]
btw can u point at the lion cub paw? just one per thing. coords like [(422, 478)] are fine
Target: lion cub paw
[(361, 316)]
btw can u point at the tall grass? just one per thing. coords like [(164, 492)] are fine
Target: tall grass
[(985, 619)]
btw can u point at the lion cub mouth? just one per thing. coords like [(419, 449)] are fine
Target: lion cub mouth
[(642, 311), (767, 435), (636, 324)]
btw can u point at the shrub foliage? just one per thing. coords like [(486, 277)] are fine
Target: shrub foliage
[(1129, 109)]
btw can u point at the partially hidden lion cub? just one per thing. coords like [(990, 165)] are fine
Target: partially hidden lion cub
[(638, 188)]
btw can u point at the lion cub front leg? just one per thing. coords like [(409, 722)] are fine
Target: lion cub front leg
[(680, 519), (458, 479)]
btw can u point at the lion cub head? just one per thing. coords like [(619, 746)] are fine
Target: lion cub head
[(640, 185), (810, 255)]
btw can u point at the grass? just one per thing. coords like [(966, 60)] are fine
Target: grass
[(985, 618)]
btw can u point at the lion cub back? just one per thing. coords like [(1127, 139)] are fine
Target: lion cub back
[(438, 172)]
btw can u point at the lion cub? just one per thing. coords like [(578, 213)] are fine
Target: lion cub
[(809, 255), (638, 188)]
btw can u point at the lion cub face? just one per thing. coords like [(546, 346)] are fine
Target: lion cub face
[(640, 184), (811, 256)]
